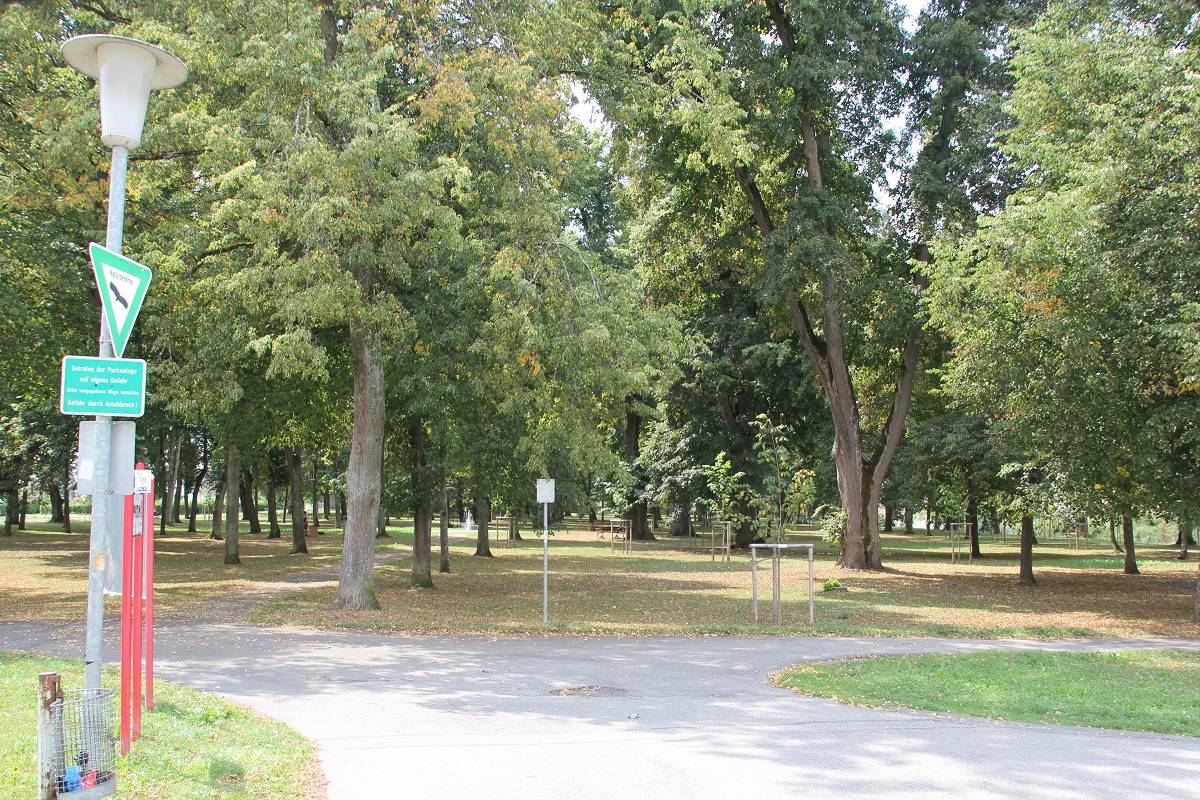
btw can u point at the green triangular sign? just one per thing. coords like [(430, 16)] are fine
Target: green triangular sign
[(123, 284)]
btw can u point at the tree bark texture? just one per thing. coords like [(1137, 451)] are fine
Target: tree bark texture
[(218, 512), (232, 518), (483, 513), (444, 529), (56, 504), (356, 586), (422, 577), (973, 521), (637, 514), (1185, 539), (10, 511), (67, 506), (273, 530), (168, 481), (249, 505), (296, 495), (1131, 567), (178, 496), (1027, 551), (196, 485)]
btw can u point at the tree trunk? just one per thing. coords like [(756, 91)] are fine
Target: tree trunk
[(356, 586), (179, 495), (325, 504), (973, 521), (10, 511), (744, 533), (1131, 567), (315, 521), (422, 515), (56, 503), (24, 508), (168, 481), (888, 514), (218, 512), (637, 514), (251, 502), (483, 513), (1197, 612), (1184, 539), (67, 505), (908, 520), (296, 495), (199, 483), (444, 526), (1112, 537), (274, 532), (1027, 551), (232, 518)]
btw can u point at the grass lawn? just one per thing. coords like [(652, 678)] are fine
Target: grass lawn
[(43, 572), (192, 745), (668, 586), (1148, 691)]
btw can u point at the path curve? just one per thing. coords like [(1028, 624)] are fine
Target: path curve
[(662, 718)]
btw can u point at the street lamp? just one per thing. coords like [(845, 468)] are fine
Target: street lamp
[(127, 71)]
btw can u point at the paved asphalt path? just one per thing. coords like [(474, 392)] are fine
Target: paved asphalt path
[(652, 718)]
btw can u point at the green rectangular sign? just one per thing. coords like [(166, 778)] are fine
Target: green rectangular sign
[(114, 387)]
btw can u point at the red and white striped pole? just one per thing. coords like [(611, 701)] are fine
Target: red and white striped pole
[(127, 625), (139, 557), (148, 550)]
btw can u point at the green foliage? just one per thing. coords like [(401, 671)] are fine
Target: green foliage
[(725, 488), (787, 490), (1067, 306)]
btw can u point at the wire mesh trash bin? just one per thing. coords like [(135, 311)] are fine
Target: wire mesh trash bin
[(76, 742)]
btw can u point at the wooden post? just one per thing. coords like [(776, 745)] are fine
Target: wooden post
[(49, 738)]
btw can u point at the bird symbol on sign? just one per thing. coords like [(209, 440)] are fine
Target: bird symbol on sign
[(112, 287)]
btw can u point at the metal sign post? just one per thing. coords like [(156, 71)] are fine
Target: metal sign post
[(545, 496), (127, 70)]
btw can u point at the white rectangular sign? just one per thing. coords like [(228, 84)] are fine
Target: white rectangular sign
[(143, 481), (545, 490)]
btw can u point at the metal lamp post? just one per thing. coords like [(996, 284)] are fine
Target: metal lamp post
[(127, 71)]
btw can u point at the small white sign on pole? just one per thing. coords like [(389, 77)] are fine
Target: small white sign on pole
[(143, 481), (545, 496)]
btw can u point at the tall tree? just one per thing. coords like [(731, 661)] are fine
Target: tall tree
[(1067, 307), (775, 115)]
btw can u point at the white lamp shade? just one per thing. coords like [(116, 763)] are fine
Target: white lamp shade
[(125, 74), (127, 70)]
